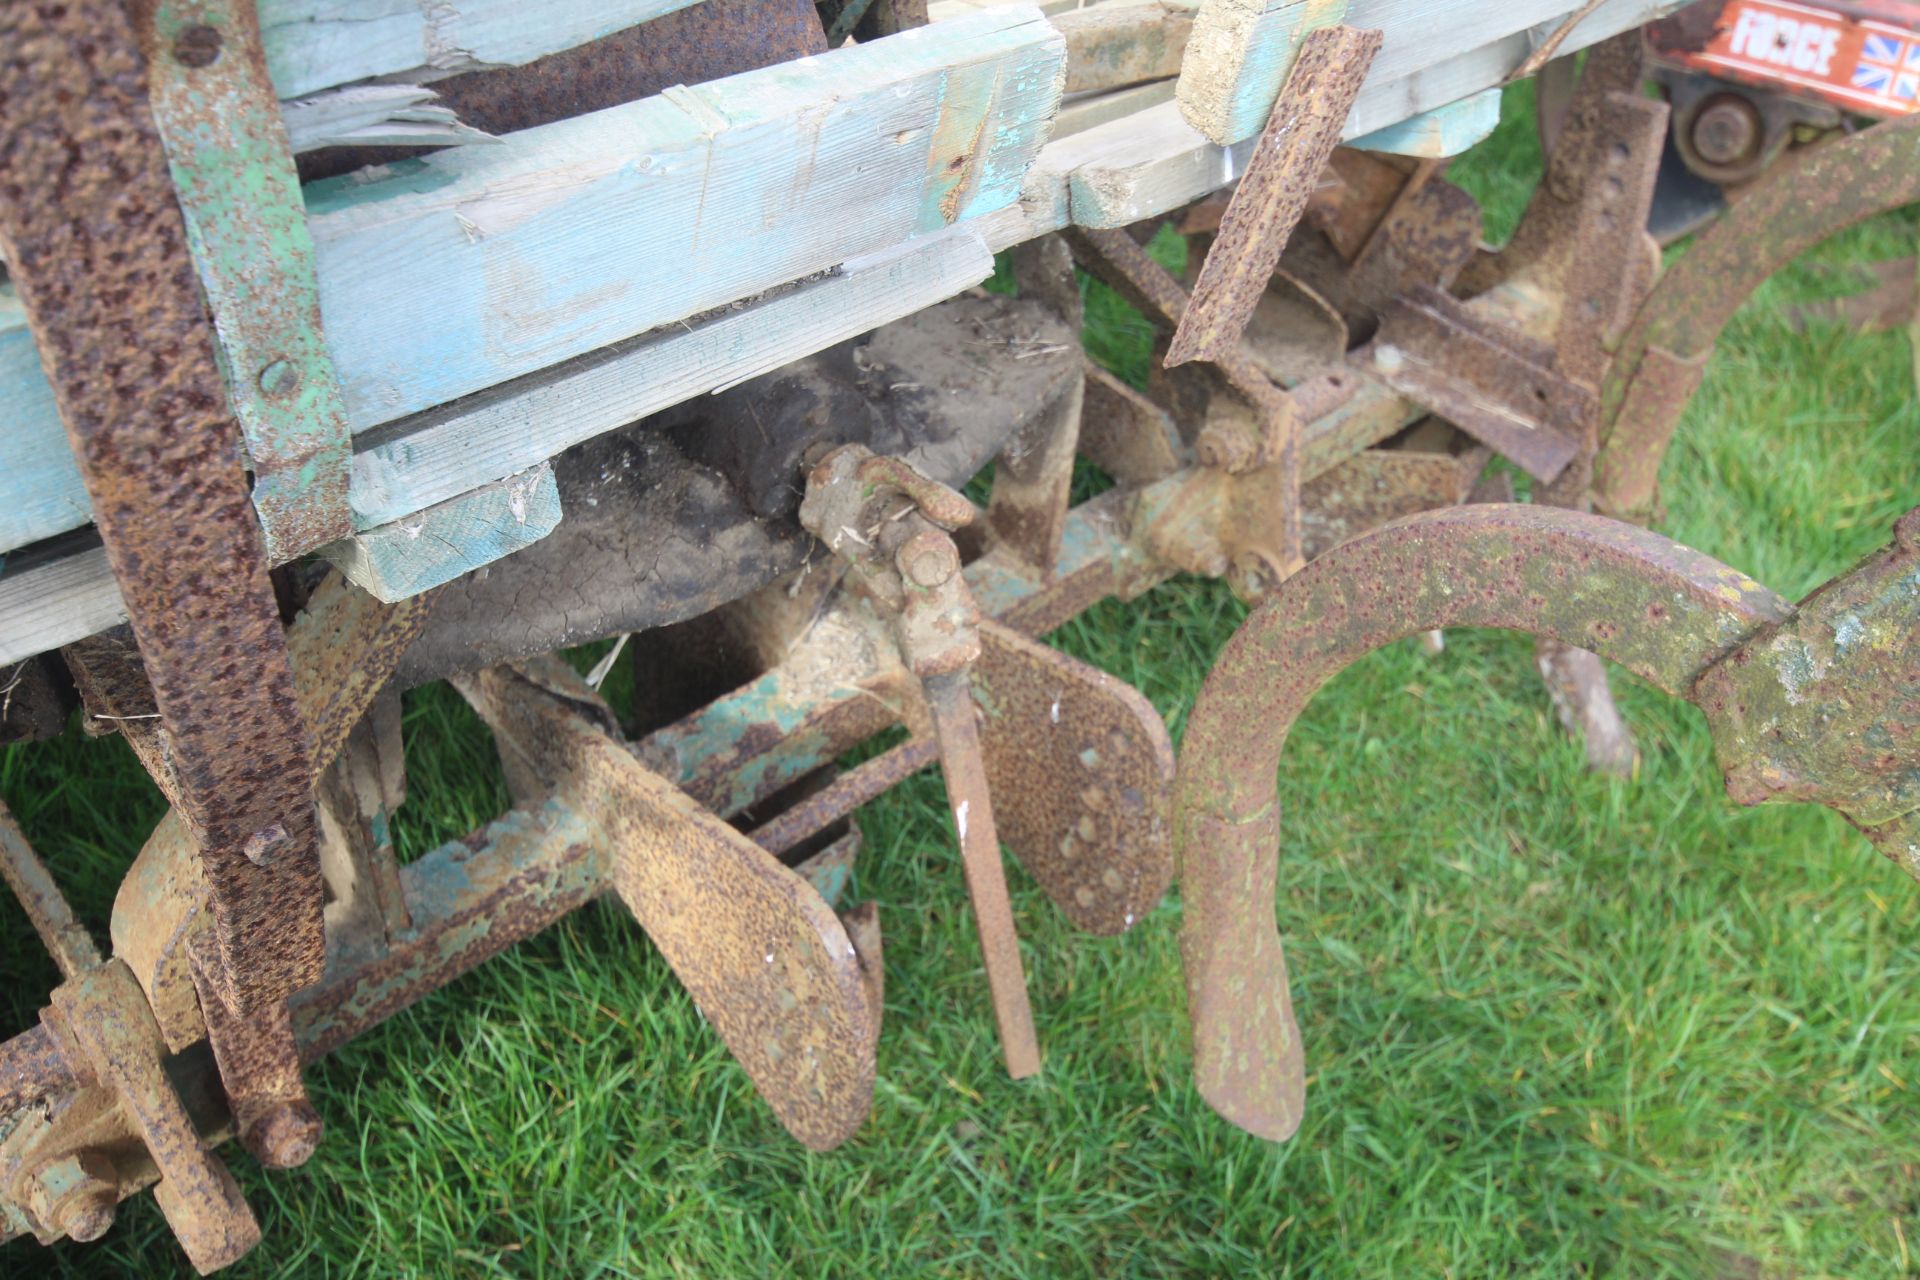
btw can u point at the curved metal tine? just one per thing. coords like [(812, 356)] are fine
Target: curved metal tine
[(767, 961), (1543, 570)]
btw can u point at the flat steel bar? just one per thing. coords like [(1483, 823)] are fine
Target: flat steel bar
[(844, 794), (1294, 147), (98, 247), (247, 225), (962, 766)]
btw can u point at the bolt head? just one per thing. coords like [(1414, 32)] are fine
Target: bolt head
[(76, 1195), (929, 560), (263, 846), (285, 1137)]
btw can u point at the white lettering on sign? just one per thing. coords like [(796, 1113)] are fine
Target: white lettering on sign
[(1785, 42)]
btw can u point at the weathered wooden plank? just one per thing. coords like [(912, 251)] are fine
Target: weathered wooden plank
[(1439, 133), (1110, 46), (316, 44), (1087, 110), (57, 602), (40, 489), (1241, 53), (510, 428), (521, 426), (1241, 50), (1108, 175), (450, 538), (375, 115), (479, 264), (1153, 161)]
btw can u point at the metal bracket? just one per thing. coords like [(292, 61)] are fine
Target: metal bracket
[(247, 226)]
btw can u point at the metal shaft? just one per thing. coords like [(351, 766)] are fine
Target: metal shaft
[(950, 699)]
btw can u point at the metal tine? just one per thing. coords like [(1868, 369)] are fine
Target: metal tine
[(950, 700), (66, 939)]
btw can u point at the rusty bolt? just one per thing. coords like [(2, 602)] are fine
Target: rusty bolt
[(1254, 575), (279, 378), (197, 46), (286, 1136), (1223, 448), (1906, 530), (262, 847), (929, 560), (76, 1195), (1727, 131)]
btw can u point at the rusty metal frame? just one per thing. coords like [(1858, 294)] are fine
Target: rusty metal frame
[(90, 221), (232, 165)]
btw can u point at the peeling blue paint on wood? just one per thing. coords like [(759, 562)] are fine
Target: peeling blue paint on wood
[(316, 44), (41, 493), (480, 264), (1439, 133), (437, 545)]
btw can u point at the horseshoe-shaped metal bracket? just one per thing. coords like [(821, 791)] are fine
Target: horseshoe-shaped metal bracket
[(1678, 619)]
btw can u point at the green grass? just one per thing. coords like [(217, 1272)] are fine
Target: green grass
[(1556, 1024)]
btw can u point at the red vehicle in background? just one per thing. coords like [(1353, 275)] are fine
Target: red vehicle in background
[(1750, 79)]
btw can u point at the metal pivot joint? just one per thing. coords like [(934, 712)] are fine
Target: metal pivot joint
[(892, 526)]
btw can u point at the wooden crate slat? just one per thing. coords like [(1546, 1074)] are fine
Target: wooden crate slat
[(481, 264), (316, 44)]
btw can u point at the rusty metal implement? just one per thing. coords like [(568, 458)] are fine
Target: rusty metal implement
[(1273, 193), (155, 439), (750, 371), (1678, 619)]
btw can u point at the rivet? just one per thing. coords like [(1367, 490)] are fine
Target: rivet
[(279, 378), (197, 46)]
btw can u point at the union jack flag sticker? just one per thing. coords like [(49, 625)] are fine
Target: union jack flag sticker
[(1884, 49), (1873, 79), (1906, 87)]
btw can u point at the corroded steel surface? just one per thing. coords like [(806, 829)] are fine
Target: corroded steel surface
[(260, 1068), (65, 938), (99, 251), (956, 728), (1657, 608), (844, 794), (247, 225), (33, 1066), (763, 956), (1287, 161), (1079, 764), (1482, 379), (1825, 706), (1836, 186), (106, 1014), (890, 525)]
